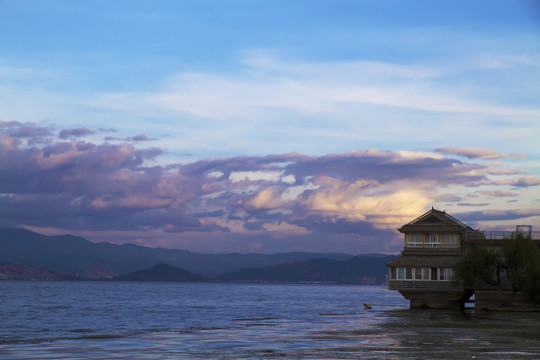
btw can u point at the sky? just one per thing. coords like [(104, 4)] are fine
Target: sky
[(267, 126)]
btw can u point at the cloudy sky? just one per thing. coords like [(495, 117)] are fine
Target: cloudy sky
[(267, 126)]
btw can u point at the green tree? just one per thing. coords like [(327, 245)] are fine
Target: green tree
[(522, 265), (481, 264), (518, 261)]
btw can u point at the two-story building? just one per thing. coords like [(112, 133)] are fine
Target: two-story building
[(424, 273), (433, 245)]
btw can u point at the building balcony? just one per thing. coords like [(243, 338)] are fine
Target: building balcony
[(424, 285), (432, 251)]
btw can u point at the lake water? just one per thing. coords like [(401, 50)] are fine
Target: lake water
[(121, 320)]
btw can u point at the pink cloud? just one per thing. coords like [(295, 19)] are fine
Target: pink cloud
[(358, 196), (479, 153)]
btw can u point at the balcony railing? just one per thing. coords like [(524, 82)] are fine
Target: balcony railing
[(497, 235), (431, 285)]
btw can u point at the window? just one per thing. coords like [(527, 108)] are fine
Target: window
[(409, 273), (450, 240), (414, 240), (401, 273), (433, 240), (446, 274), (398, 273), (422, 274)]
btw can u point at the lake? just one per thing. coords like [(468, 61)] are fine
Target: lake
[(123, 320)]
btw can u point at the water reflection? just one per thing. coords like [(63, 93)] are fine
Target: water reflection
[(404, 334), (219, 321), (430, 334)]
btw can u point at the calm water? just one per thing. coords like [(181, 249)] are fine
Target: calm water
[(108, 320)]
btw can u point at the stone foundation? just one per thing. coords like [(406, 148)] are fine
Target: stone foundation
[(435, 300)]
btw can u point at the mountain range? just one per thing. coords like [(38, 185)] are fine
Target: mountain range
[(162, 273), (361, 269), (78, 257)]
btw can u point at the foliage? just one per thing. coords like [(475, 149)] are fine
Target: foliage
[(523, 266), (482, 264), (518, 261)]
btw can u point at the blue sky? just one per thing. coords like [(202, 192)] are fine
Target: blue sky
[(433, 103)]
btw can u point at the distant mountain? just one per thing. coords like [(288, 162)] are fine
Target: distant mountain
[(162, 273), (27, 272), (362, 269), (77, 256)]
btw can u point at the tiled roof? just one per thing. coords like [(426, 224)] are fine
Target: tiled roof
[(424, 261), (435, 219), (423, 228)]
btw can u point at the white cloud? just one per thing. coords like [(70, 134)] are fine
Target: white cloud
[(307, 88), (274, 105), (292, 192), (507, 61), (266, 199), (385, 205), (254, 176)]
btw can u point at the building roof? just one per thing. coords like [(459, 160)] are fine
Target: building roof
[(435, 220), (419, 261)]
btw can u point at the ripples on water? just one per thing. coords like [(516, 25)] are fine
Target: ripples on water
[(110, 320)]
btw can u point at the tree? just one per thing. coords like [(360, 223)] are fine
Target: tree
[(516, 263), (481, 264), (522, 265)]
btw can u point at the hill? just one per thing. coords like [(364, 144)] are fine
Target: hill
[(162, 273), (27, 272), (74, 255), (362, 269)]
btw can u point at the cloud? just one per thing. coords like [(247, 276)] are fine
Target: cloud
[(448, 198), (508, 171), (33, 133), (472, 204), (107, 130), (140, 137), (520, 182), (87, 187), (319, 107), (498, 215), (254, 225), (266, 198), (314, 107), (479, 153), (75, 133), (310, 88), (338, 226), (497, 193)]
